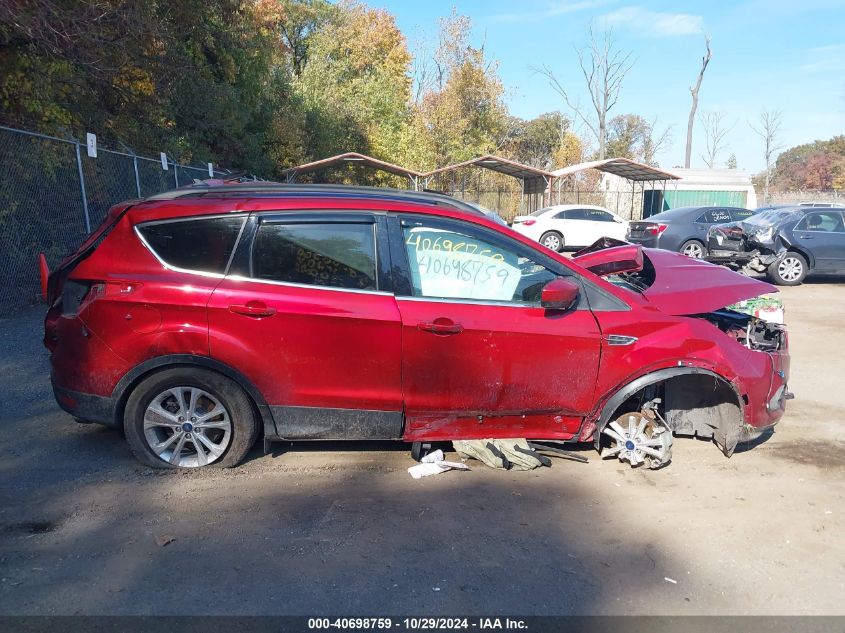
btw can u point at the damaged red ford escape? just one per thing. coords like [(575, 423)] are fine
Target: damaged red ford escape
[(205, 318)]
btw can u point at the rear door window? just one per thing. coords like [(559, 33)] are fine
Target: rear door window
[(576, 214), (828, 222), (715, 216), (197, 245), (335, 255), (597, 215)]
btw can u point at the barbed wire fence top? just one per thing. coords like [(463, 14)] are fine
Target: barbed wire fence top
[(52, 194)]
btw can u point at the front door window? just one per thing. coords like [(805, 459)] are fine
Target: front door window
[(447, 263)]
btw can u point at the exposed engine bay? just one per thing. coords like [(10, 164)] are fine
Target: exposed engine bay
[(753, 333)]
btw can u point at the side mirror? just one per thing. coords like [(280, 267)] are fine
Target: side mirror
[(559, 294)]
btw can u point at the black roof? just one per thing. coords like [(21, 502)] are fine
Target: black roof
[(260, 189)]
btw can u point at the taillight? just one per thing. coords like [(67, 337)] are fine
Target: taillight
[(78, 295), (656, 229), (527, 222), (73, 294), (44, 273)]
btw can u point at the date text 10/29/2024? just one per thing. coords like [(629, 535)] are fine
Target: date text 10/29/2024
[(418, 624)]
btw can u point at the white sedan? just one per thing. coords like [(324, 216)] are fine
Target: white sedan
[(566, 225)]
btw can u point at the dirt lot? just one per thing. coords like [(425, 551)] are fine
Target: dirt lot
[(344, 529)]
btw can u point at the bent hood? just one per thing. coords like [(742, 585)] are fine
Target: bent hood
[(684, 286)]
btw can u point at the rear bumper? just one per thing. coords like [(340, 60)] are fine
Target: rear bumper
[(647, 241), (730, 258), (530, 231), (85, 406)]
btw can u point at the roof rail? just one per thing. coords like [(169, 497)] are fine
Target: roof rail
[(273, 189)]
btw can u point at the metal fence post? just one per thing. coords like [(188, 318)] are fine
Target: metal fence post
[(175, 174), (137, 177), (82, 188)]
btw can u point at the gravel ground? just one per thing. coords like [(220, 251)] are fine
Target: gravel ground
[(342, 528)]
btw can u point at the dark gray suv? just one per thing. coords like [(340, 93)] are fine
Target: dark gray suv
[(684, 229)]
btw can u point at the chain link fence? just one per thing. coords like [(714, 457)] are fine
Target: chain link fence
[(52, 194), (509, 203), (836, 198)]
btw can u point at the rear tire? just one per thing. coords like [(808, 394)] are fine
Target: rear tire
[(157, 423), (552, 240), (789, 271), (693, 249)]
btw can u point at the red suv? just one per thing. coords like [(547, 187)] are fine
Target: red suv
[(202, 319)]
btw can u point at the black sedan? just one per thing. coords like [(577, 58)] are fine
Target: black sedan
[(684, 229), (787, 243)]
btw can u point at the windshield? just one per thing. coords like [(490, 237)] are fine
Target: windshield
[(540, 212), (773, 217)]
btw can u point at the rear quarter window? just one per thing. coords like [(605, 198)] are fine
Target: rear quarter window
[(201, 245)]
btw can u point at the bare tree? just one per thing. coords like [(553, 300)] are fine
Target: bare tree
[(656, 144), (694, 91), (424, 70), (604, 68), (715, 135), (768, 129)]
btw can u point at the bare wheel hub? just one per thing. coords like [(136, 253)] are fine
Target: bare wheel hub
[(639, 438)]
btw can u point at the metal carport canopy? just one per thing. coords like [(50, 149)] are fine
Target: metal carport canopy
[(534, 180), (350, 157), (623, 167)]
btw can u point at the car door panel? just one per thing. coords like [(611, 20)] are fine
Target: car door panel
[(510, 371), (491, 368), (580, 231), (826, 241), (321, 357), (558, 222)]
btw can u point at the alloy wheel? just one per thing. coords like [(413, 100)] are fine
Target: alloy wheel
[(638, 438), (694, 250), (187, 426)]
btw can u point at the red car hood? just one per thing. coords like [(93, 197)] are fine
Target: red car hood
[(691, 286), (681, 285)]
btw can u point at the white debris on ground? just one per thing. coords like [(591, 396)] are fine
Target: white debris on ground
[(434, 468)]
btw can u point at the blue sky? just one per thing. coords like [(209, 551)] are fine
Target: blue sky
[(786, 55)]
